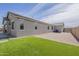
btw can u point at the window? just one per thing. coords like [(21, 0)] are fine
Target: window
[(12, 25), (48, 27), (52, 27), (22, 27), (35, 27)]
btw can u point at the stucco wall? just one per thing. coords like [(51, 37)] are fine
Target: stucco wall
[(29, 28), (74, 31)]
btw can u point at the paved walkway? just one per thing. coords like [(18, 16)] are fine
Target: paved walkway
[(3, 35), (60, 37)]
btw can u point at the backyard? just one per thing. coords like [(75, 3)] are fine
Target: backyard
[(35, 46)]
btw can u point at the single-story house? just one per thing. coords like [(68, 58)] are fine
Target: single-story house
[(17, 25)]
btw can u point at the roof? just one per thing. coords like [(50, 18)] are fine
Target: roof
[(26, 18)]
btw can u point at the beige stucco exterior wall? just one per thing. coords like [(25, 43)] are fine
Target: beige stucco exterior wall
[(29, 28), (75, 32)]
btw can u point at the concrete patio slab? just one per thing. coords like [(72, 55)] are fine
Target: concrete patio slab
[(60, 37)]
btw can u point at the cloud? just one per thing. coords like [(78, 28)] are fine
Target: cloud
[(58, 8), (69, 16), (36, 9)]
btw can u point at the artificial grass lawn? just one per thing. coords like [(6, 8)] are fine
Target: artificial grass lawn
[(33, 46)]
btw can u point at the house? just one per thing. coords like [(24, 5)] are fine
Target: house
[(17, 25)]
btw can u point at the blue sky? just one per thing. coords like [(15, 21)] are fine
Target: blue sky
[(23, 9), (46, 12), (17, 8)]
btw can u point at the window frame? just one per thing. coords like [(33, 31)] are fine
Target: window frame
[(35, 27), (12, 26), (21, 26)]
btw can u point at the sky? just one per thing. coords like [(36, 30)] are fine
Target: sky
[(66, 13)]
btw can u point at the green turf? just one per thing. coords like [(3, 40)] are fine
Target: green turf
[(33, 46)]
